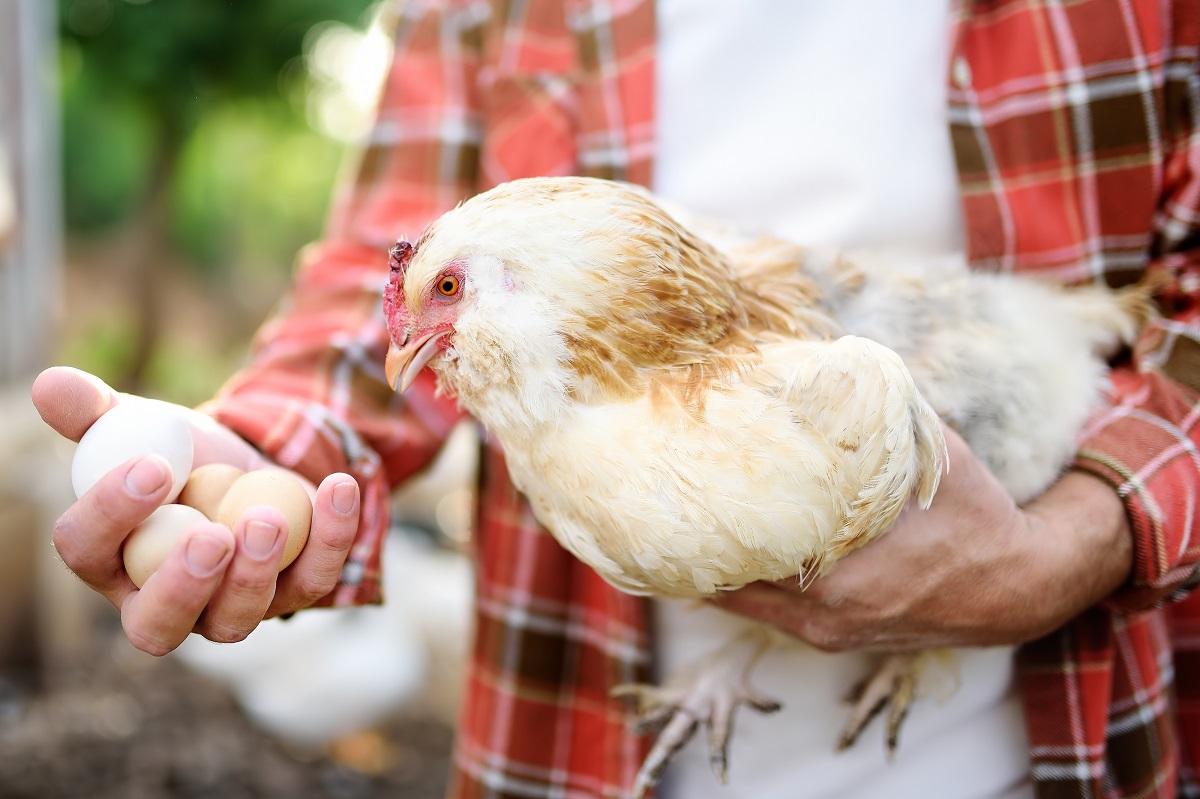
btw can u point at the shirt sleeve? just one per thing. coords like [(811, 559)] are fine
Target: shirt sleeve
[(1146, 444), (313, 395)]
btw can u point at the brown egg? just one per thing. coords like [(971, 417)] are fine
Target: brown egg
[(278, 489), (206, 487), (150, 542)]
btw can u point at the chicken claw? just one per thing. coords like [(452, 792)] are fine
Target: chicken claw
[(894, 682), (709, 691)]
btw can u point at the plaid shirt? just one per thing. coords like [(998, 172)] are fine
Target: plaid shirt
[(1077, 132)]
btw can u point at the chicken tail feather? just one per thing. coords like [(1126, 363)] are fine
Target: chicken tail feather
[(1115, 318)]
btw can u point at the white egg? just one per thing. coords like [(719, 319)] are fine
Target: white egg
[(151, 541), (134, 427)]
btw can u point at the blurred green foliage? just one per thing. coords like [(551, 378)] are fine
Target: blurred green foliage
[(185, 122), (251, 181), (181, 369), (210, 91), (107, 138)]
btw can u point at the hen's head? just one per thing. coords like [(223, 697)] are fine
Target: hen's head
[(457, 297), (557, 287), (418, 330)]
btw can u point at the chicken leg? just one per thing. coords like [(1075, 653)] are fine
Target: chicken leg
[(893, 682), (709, 691)]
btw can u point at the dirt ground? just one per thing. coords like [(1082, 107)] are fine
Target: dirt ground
[(123, 725)]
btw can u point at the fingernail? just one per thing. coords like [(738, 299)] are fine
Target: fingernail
[(146, 476), (260, 538), (344, 497), (203, 555)]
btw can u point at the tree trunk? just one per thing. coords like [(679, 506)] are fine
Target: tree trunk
[(150, 257)]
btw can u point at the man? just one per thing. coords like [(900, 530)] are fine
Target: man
[(1075, 144)]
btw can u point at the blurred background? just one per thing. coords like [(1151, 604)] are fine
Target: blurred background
[(161, 162)]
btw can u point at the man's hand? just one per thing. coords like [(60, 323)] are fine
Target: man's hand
[(215, 582), (972, 570)]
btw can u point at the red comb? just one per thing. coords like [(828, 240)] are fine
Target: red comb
[(394, 311), (399, 255)]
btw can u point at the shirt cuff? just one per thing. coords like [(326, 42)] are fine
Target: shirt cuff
[(1142, 448)]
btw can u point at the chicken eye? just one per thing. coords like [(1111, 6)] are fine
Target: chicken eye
[(448, 286)]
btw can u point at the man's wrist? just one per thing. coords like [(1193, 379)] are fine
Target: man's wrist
[(1084, 533)]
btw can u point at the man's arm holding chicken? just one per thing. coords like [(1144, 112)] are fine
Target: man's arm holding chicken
[(972, 570), (975, 569)]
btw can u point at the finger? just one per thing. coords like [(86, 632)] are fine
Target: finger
[(158, 617), (245, 593), (334, 526), (793, 612), (70, 400), (89, 535), (758, 600)]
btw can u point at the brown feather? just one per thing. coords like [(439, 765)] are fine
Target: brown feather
[(688, 318)]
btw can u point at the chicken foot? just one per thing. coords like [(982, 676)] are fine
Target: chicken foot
[(709, 691), (894, 683)]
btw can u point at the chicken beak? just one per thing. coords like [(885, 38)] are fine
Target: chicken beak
[(403, 364)]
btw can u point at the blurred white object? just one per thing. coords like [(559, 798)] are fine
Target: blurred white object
[(325, 673), (440, 498), (347, 66)]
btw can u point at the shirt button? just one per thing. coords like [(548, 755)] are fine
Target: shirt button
[(960, 72)]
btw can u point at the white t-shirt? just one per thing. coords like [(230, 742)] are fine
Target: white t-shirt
[(847, 146)]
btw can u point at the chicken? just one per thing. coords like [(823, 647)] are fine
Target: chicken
[(690, 413)]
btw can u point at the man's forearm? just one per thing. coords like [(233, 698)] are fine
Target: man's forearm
[(972, 570), (1086, 532)]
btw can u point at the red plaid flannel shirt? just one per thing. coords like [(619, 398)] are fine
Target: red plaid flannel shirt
[(1077, 132)]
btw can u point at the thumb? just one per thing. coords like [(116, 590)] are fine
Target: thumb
[(70, 400)]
